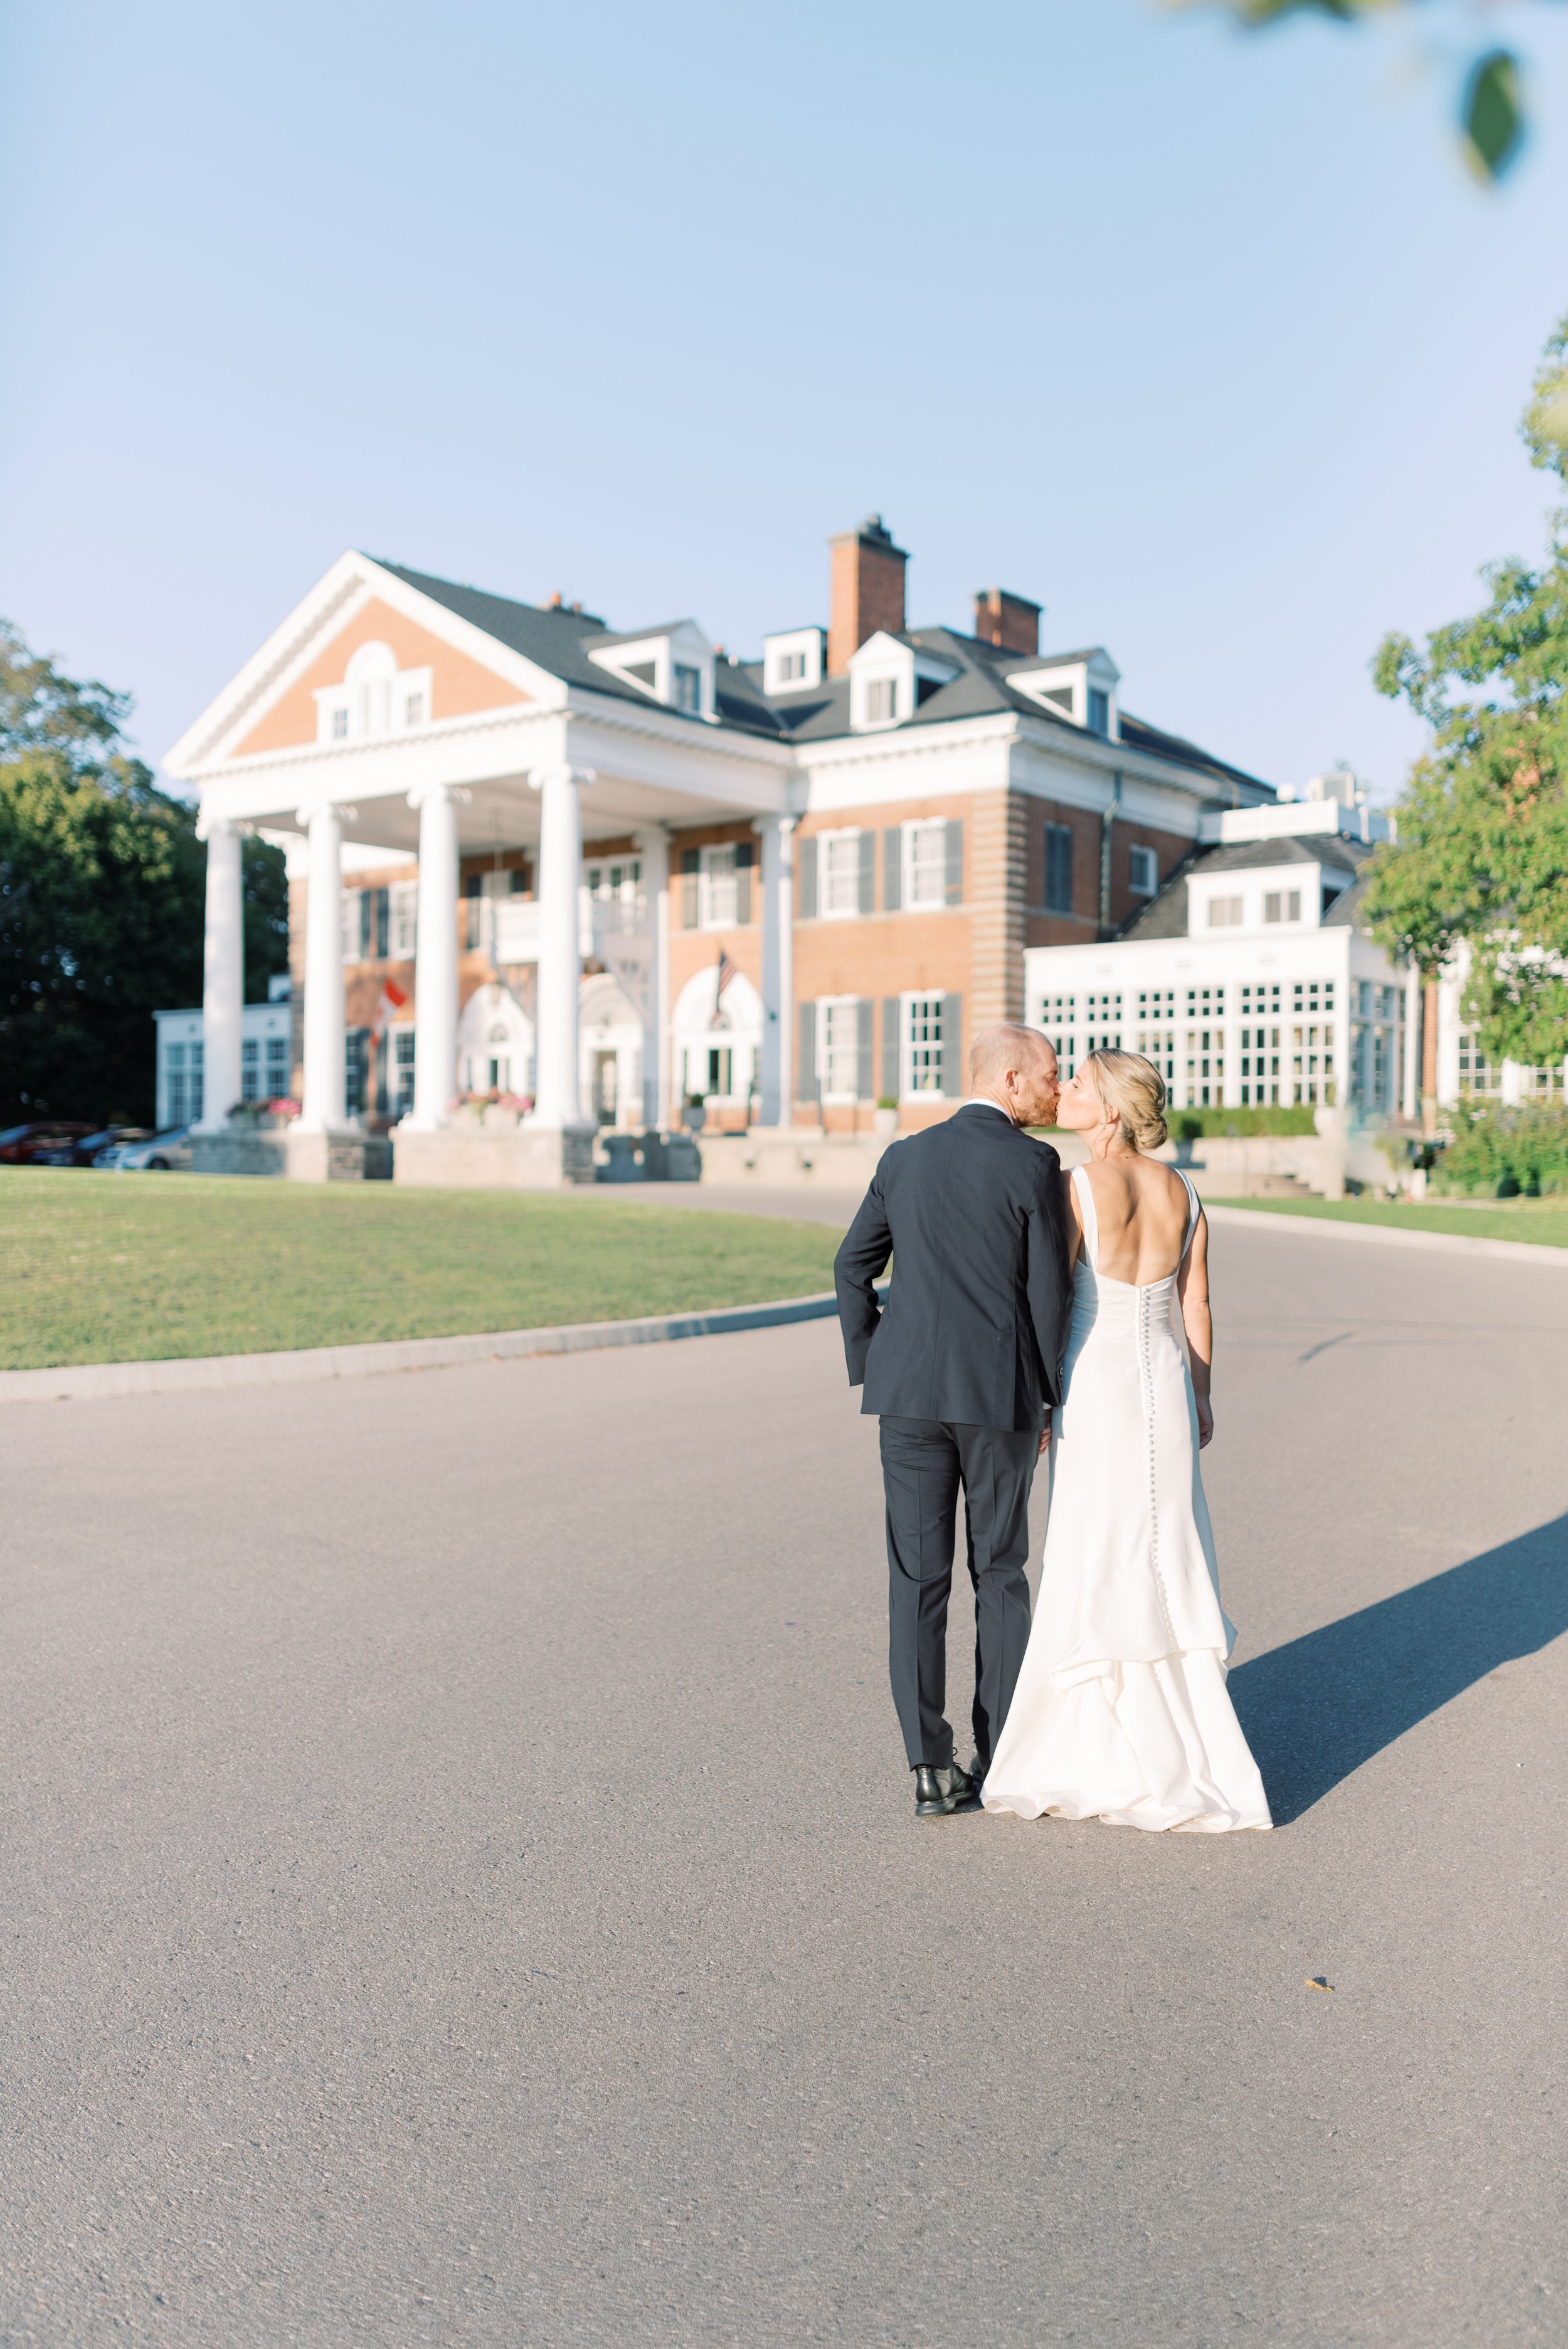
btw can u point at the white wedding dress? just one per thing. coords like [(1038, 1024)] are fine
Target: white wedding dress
[(1121, 1712)]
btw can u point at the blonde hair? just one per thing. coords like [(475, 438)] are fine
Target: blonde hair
[(1134, 1088)]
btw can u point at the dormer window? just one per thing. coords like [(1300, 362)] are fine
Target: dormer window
[(414, 709), (340, 724), (1077, 685), (881, 701), (673, 665), (1282, 906), (1098, 710), (1225, 913), (792, 661)]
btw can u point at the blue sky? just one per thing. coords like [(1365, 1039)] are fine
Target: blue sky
[(1204, 340)]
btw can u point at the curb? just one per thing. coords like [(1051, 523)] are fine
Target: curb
[(1445, 1243), (82, 1381)]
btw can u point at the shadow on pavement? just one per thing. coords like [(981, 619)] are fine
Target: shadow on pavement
[(1315, 1710)]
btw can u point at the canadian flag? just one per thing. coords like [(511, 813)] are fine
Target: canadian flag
[(392, 1001)]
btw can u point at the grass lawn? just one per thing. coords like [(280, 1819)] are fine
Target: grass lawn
[(140, 1267), (1543, 1222)]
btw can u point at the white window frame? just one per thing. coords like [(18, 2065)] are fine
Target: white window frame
[(397, 1063), (1288, 901), (828, 844), (829, 1009), (717, 887), (353, 920), (912, 1014), (916, 830), (403, 920), (1227, 913)]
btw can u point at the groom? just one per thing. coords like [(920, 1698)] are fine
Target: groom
[(962, 1366)]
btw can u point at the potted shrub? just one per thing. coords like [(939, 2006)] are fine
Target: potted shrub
[(885, 1119)]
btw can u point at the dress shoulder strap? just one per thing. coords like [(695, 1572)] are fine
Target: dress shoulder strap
[(1084, 1190), (1194, 1209)]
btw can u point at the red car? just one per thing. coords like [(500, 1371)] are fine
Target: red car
[(52, 1141)]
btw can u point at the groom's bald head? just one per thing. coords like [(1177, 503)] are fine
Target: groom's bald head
[(1017, 1068)]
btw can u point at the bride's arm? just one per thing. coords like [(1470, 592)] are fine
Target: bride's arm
[(1193, 1288)]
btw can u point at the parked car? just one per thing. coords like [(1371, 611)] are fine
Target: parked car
[(91, 1149), (154, 1156), (48, 1142)]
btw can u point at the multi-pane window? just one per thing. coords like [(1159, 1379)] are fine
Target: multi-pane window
[(1102, 1023), (718, 887), (277, 1068), (1059, 1018), (1157, 1030), (402, 1071), (839, 1052), (1098, 710), (688, 689), (340, 725), (1205, 1047), (923, 1037), (1058, 868), (791, 667), (1261, 1045), (881, 701), (1225, 913), (404, 907), (925, 864), (1282, 906), (414, 709), (1544, 1083), (840, 870), (175, 1082), (1312, 995), (250, 1069), (1145, 871)]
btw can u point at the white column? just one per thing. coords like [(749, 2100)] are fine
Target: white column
[(435, 960), (557, 1101), (653, 846), (1410, 1096), (777, 968), (323, 1104), (224, 974)]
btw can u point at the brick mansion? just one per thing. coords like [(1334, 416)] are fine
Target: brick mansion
[(594, 874)]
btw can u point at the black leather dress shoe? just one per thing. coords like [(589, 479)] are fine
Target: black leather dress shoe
[(939, 1792)]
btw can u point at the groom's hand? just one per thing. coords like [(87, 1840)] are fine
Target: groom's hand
[(1045, 1441)]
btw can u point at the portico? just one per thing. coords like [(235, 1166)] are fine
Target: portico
[(374, 674)]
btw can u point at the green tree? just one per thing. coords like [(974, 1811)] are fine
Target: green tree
[(1482, 848), (102, 882)]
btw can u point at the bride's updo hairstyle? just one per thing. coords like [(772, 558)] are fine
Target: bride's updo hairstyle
[(1134, 1087)]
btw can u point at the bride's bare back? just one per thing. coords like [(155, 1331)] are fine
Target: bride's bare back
[(1140, 1207)]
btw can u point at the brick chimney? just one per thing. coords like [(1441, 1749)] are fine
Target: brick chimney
[(868, 590), (1011, 623)]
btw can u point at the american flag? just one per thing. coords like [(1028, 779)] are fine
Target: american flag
[(726, 973)]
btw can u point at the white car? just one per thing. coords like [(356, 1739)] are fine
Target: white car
[(156, 1155)]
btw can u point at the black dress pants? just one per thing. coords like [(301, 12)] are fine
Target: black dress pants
[(924, 1461)]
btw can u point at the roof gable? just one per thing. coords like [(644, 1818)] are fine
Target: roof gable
[(459, 683)]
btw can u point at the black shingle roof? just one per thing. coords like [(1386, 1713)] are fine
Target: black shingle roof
[(1165, 915), (557, 640)]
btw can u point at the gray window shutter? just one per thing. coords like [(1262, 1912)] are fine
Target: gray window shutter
[(868, 875), (743, 882), (806, 1085), (691, 865), (893, 868), (953, 1083), (891, 1008), (806, 879), (865, 1021), (956, 862)]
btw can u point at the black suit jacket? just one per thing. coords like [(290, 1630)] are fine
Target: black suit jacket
[(976, 1320)]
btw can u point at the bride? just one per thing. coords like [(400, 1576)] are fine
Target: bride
[(1121, 1712)]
